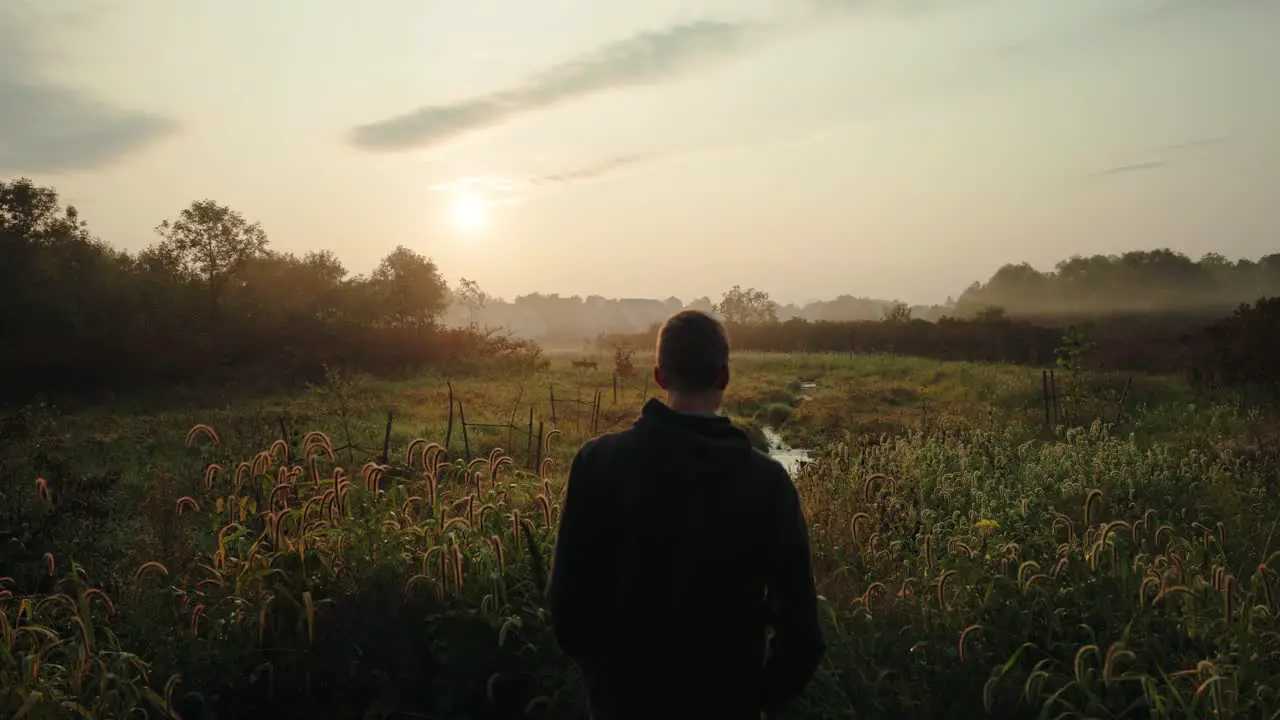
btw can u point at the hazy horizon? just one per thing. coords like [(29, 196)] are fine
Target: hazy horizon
[(809, 148)]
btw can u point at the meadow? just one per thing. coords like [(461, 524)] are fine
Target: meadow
[(260, 556)]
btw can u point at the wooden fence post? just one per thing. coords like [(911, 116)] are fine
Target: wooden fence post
[(552, 388), (537, 466), (448, 433), (466, 442), (1123, 396), (1053, 393), (1044, 392), (615, 388), (528, 448), (386, 440)]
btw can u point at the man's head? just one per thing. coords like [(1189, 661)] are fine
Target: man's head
[(693, 359)]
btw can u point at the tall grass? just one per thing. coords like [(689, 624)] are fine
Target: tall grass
[(965, 570), (302, 587), (969, 573)]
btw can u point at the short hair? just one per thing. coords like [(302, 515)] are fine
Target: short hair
[(692, 348)]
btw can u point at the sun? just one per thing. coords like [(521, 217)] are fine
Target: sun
[(469, 212)]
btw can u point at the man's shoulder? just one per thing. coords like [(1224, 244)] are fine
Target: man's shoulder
[(767, 469), (607, 445)]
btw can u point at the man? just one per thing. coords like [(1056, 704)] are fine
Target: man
[(672, 533)]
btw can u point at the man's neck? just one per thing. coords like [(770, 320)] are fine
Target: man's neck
[(693, 404)]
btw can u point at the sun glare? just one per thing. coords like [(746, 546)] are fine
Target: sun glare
[(469, 212)]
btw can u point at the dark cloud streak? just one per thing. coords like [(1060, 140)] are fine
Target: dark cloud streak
[(1194, 144), (46, 126), (642, 59), (593, 171), (1133, 167)]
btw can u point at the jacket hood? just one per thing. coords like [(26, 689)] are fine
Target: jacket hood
[(695, 446)]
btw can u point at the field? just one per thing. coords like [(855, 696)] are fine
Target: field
[(253, 556)]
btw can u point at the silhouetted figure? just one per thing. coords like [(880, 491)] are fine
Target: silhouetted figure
[(672, 533)]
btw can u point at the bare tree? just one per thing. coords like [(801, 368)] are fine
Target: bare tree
[(470, 293)]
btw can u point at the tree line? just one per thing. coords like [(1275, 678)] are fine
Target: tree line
[(1159, 283), (1233, 349), (209, 301), (1136, 282)]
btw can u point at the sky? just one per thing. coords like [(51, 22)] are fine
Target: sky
[(809, 148)]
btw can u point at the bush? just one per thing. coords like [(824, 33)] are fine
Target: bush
[(775, 414)]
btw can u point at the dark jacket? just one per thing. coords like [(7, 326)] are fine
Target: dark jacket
[(671, 533)]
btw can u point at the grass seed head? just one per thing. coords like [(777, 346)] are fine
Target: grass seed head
[(185, 502), (202, 429), (964, 635), (280, 450)]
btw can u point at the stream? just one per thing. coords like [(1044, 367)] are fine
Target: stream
[(791, 458)]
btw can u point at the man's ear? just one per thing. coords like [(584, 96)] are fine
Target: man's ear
[(723, 381), (658, 379)]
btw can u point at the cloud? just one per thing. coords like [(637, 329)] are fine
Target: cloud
[(1133, 167), (46, 126), (645, 58), (593, 171), (513, 190), (1194, 144)]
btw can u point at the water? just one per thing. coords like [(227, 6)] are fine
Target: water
[(791, 458)]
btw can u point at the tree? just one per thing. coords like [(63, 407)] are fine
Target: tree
[(704, 303), (208, 242), (1075, 349), (53, 271), (28, 213), (747, 307), (324, 267), (283, 288), (470, 293), (623, 366), (898, 312), (409, 289)]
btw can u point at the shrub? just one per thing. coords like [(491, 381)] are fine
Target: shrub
[(775, 414)]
